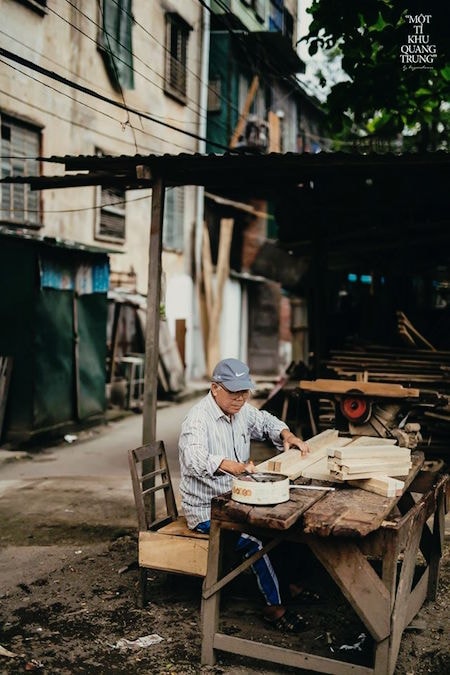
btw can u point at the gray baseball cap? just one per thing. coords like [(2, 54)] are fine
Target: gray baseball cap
[(233, 374)]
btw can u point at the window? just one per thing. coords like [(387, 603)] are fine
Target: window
[(115, 41), (276, 15), (19, 150), (173, 227), (40, 6), (214, 94), (177, 33), (111, 216), (258, 6)]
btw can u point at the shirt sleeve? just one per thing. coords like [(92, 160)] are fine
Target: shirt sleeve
[(194, 446), (263, 425)]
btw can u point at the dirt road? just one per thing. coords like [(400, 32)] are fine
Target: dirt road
[(68, 577)]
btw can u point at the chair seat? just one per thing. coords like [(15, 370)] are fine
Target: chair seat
[(174, 548), (179, 527)]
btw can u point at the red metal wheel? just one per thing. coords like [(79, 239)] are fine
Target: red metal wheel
[(357, 409)]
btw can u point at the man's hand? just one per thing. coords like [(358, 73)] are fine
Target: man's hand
[(236, 468), (291, 440)]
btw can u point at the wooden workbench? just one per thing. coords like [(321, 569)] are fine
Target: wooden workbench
[(342, 528)]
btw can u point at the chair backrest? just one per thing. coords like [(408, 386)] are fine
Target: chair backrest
[(149, 475)]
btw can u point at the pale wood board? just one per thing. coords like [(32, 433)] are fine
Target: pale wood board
[(173, 554), (318, 471), (358, 465), (372, 440), (292, 463), (369, 452), (386, 486), (393, 471), (367, 388), (179, 528)]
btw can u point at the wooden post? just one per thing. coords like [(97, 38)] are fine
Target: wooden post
[(274, 132), (319, 269), (222, 273), (152, 322)]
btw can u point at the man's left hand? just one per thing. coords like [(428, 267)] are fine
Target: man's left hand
[(291, 440)]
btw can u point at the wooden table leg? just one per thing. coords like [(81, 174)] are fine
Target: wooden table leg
[(389, 578), (437, 545), (403, 611), (210, 605)]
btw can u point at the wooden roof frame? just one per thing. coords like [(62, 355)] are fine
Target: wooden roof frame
[(227, 174)]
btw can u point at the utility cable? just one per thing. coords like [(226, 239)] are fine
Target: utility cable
[(86, 105), (59, 78)]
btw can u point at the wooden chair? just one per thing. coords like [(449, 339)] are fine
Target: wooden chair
[(165, 542)]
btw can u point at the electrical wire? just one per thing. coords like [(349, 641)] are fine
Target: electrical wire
[(69, 121), (83, 79), (113, 61), (59, 78), (195, 108), (228, 102), (104, 114)]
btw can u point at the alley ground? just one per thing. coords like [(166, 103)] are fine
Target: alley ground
[(68, 574)]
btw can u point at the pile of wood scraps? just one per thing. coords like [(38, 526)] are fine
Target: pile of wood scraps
[(370, 463), (424, 369)]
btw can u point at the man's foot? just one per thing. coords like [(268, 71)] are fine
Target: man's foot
[(289, 622), (302, 595)]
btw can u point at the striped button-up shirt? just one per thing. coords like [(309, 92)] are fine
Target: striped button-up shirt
[(207, 437)]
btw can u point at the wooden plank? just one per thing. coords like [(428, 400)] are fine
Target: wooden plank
[(173, 554), (367, 388), (318, 471), (153, 312), (210, 606), (400, 611), (207, 270), (179, 528), (277, 517), (381, 485), (358, 464), (292, 463), (339, 513), (370, 440), (370, 452), (286, 657), (6, 364), (222, 273), (274, 132), (245, 111), (358, 581), (396, 472)]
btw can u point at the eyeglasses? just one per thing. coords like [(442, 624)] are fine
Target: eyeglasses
[(236, 395)]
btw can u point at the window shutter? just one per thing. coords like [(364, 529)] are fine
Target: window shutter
[(111, 222), (116, 42), (19, 148), (173, 228)]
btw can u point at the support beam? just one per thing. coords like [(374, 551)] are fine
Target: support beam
[(153, 308)]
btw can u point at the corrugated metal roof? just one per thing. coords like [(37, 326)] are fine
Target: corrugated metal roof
[(233, 171), (29, 235)]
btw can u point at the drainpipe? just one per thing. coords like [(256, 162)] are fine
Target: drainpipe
[(198, 364)]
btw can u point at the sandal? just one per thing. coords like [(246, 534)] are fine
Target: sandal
[(305, 597), (290, 622)]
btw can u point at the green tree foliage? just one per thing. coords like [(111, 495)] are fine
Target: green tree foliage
[(399, 74)]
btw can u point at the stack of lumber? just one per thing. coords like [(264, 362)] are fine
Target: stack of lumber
[(366, 462), (359, 461), (370, 467)]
